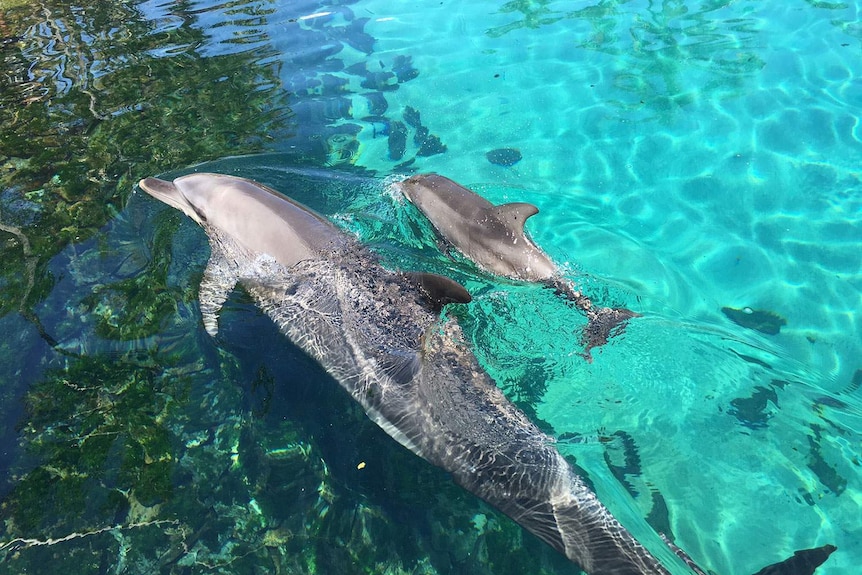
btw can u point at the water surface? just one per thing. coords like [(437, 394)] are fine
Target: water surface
[(686, 158)]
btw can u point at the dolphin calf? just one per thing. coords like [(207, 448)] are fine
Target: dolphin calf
[(493, 237), (380, 334)]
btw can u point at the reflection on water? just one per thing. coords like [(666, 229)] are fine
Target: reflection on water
[(132, 442), (657, 49), (89, 106)]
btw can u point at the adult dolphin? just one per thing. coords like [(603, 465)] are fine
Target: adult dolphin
[(380, 335), (493, 237)]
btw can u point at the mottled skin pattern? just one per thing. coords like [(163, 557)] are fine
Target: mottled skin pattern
[(416, 378), (376, 332)]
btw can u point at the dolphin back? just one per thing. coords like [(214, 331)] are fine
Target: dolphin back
[(468, 427), (255, 217), (493, 237)]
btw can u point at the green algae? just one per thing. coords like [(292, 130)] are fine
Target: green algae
[(94, 426), (136, 306), (71, 154)]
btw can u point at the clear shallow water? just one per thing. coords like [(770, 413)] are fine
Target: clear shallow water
[(684, 157)]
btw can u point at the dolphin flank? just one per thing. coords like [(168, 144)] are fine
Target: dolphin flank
[(380, 335), (493, 237)]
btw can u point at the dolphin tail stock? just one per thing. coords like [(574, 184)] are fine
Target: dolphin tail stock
[(602, 322), (682, 555), (494, 451)]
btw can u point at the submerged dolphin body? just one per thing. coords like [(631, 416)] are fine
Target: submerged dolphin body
[(380, 335), (493, 237)]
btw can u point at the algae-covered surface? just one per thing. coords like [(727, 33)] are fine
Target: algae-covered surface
[(696, 162)]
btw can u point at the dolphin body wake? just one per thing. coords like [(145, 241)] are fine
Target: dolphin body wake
[(380, 335)]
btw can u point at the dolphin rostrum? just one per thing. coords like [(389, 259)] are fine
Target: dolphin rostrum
[(493, 237), (380, 335)]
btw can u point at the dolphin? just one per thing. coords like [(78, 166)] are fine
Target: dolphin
[(380, 334), (493, 237)]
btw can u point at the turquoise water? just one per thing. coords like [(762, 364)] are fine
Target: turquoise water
[(685, 157)]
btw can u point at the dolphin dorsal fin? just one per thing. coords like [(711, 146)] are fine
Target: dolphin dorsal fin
[(440, 289), (514, 215), (220, 277)]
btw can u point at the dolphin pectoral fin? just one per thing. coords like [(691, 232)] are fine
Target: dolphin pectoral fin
[(515, 214), (220, 277), (803, 562), (440, 290), (446, 247)]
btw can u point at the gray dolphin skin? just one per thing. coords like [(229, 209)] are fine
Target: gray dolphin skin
[(493, 237), (380, 334)]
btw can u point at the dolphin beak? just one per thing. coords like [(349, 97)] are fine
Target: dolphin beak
[(159, 189), (168, 193)]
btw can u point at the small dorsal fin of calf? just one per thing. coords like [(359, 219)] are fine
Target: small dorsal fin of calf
[(514, 215)]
